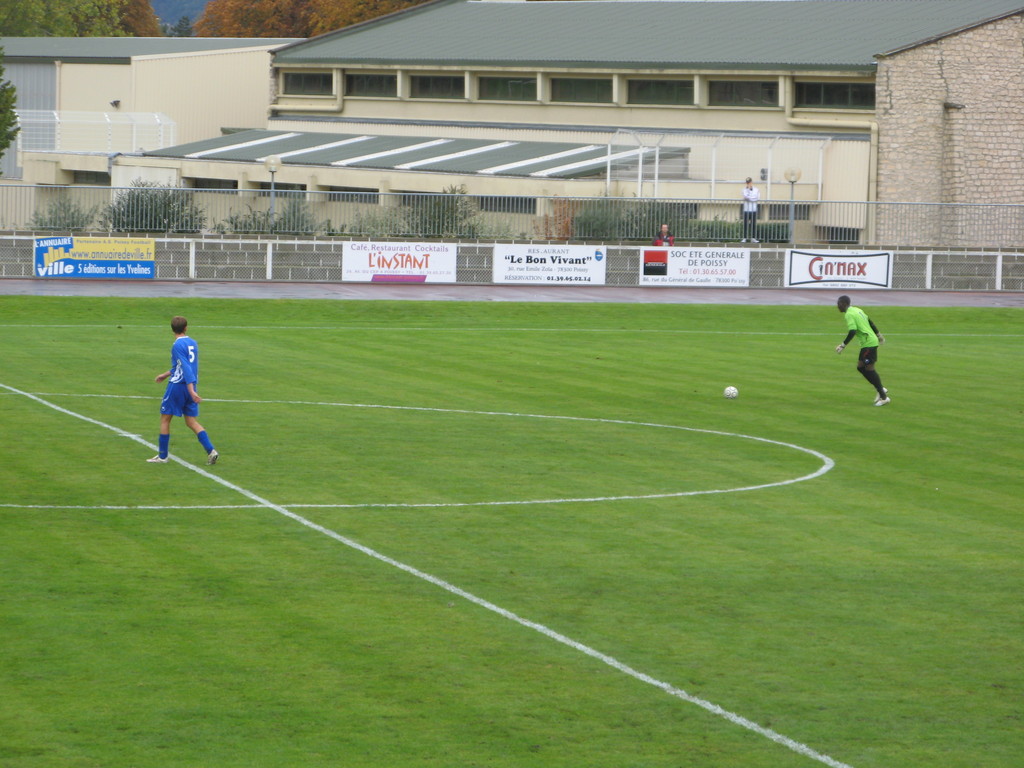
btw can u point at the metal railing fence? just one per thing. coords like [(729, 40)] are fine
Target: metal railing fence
[(320, 259), (369, 214)]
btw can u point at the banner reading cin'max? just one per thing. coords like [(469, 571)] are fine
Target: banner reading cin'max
[(122, 258), (839, 269), (398, 262), (567, 264)]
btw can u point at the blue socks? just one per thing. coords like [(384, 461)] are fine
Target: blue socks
[(165, 443), (204, 440)]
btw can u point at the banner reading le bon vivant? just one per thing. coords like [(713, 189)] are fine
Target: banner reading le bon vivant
[(549, 264), (398, 262), (838, 269), (121, 258), (695, 266)]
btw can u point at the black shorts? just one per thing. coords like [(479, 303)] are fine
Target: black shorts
[(868, 356)]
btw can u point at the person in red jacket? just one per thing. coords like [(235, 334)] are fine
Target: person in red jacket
[(664, 237)]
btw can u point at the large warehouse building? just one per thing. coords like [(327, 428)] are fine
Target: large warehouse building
[(822, 100)]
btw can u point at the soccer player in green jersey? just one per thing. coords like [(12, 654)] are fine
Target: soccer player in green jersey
[(870, 337)]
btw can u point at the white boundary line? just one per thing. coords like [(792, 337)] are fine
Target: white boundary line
[(429, 329), (826, 463), (679, 693)]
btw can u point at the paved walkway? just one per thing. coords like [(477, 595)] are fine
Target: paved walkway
[(541, 293)]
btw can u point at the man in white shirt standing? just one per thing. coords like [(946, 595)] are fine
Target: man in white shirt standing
[(751, 195)]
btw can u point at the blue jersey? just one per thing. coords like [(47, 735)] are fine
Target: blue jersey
[(184, 371), (184, 362)]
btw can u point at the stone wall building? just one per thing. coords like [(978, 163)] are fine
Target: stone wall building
[(858, 120), (950, 114)]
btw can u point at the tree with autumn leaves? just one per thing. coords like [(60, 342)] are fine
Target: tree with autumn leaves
[(289, 18), (78, 18), (221, 18)]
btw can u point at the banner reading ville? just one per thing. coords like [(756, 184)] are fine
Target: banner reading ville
[(121, 258)]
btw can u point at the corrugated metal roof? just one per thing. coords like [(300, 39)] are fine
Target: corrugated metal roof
[(815, 34), (421, 153), (122, 49), (490, 157), (361, 151)]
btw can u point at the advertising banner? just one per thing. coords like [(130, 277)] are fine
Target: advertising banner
[(695, 266), (398, 262), (838, 269), (121, 258), (550, 264)]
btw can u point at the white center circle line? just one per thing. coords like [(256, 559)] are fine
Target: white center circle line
[(708, 706), (826, 462)]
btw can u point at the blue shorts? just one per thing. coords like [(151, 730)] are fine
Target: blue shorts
[(178, 402)]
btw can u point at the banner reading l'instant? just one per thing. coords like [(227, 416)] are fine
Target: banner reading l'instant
[(121, 258), (391, 262)]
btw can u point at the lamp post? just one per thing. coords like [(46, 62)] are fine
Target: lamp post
[(273, 164), (792, 176)]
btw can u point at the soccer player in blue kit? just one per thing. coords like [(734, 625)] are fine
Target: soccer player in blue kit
[(181, 398)]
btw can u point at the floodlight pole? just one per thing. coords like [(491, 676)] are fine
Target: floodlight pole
[(273, 164), (792, 176)]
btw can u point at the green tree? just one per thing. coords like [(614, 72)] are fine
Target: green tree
[(20, 18), (289, 18), (183, 28), (76, 18), (621, 219), (64, 213), (296, 218), (138, 19), (148, 207), (451, 214), (8, 119)]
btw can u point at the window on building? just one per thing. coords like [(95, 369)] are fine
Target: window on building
[(411, 199), (841, 95), (308, 83), (507, 204), (660, 92), (91, 178), (282, 189), (687, 210), (581, 90), (508, 88), (353, 195), (743, 93), (358, 84), (838, 235), (780, 211), (437, 87), (198, 183)]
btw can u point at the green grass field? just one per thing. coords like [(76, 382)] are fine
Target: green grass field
[(497, 535)]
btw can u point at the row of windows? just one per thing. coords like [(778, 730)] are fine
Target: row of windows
[(364, 195), (491, 203), (309, 83), (588, 90)]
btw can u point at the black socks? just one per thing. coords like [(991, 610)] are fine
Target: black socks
[(875, 379)]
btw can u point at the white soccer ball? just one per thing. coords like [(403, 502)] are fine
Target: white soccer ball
[(731, 393)]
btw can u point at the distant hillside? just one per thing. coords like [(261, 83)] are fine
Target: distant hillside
[(169, 11)]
